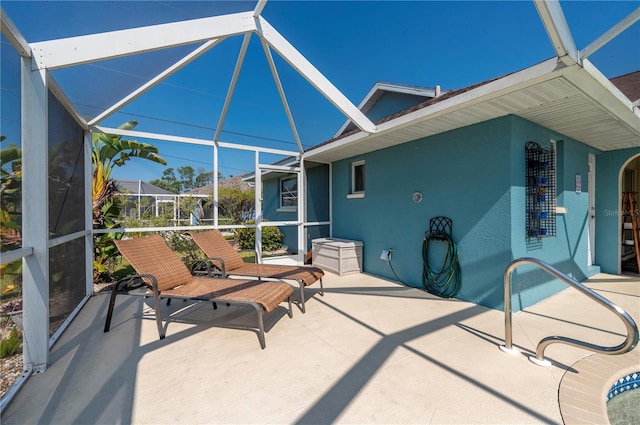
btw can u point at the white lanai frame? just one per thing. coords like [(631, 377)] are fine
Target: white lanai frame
[(40, 58), (72, 51)]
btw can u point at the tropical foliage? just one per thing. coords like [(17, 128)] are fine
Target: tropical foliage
[(10, 202), (10, 196), (109, 151)]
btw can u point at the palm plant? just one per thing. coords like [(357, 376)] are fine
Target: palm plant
[(109, 151)]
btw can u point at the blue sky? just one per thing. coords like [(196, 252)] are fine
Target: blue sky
[(354, 43)]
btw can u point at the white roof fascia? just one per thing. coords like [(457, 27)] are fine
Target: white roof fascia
[(603, 93), (400, 88), (64, 100), (72, 51), (259, 7), (544, 71), (396, 88), (158, 79), (294, 58), (547, 70), (283, 97), (309, 154), (558, 30), (191, 140), (232, 86), (13, 35), (616, 30), (279, 168)]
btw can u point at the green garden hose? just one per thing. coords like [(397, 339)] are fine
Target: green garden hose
[(446, 281)]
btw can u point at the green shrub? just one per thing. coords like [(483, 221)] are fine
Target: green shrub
[(271, 238), (10, 345), (183, 245)]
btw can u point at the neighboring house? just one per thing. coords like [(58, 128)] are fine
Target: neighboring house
[(142, 196), (464, 152), (206, 193)]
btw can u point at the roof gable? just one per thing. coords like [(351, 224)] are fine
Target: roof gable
[(385, 99)]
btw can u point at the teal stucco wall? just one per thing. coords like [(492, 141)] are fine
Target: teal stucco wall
[(608, 204), (474, 175), (317, 204)]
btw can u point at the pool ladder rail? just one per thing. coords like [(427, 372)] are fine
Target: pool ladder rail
[(632, 329)]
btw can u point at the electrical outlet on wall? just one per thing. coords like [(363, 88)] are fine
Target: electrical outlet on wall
[(386, 255)]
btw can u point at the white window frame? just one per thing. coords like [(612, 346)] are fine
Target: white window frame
[(354, 193), (287, 208)]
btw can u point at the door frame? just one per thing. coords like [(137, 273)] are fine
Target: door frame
[(591, 217)]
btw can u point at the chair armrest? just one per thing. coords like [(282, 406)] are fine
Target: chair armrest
[(130, 282), (212, 264), (135, 281)]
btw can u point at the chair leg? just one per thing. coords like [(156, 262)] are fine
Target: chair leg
[(302, 301), (290, 312), (112, 302), (259, 311), (321, 288), (156, 307)]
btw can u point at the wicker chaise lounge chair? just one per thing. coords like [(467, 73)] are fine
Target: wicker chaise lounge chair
[(165, 276), (227, 259)]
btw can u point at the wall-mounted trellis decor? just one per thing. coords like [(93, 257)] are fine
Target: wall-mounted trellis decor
[(541, 191)]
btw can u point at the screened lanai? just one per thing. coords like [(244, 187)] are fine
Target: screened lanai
[(68, 84)]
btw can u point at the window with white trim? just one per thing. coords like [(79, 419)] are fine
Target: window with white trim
[(289, 192), (357, 179)]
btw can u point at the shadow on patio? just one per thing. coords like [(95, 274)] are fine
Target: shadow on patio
[(369, 351)]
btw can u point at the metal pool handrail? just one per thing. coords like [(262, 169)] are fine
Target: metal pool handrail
[(632, 329)]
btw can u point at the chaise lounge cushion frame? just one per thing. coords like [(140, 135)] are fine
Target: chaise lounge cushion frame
[(165, 276), (225, 257)]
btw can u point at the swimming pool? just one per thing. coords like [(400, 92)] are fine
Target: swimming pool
[(623, 400)]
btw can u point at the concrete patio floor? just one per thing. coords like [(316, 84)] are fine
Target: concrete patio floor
[(369, 351)]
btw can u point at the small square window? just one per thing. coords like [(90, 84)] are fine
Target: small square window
[(289, 192)]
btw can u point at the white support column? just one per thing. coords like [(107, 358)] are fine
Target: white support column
[(157, 79), (302, 212), (139, 200), (558, 30), (259, 7), (616, 30), (215, 186), (258, 202), (283, 97), (312, 75), (35, 222), (232, 85), (88, 212), (65, 52), (330, 200)]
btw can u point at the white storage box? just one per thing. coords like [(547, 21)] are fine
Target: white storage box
[(340, 256)]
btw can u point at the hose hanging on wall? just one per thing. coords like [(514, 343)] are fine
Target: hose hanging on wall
[(446, 281)]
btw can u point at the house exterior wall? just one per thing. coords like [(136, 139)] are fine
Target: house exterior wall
[(608, 166), (475, 176), (317, 198)]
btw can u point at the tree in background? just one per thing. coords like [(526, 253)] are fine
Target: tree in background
[(109, 151), (185, 180), (237, 204), (10, 210)]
